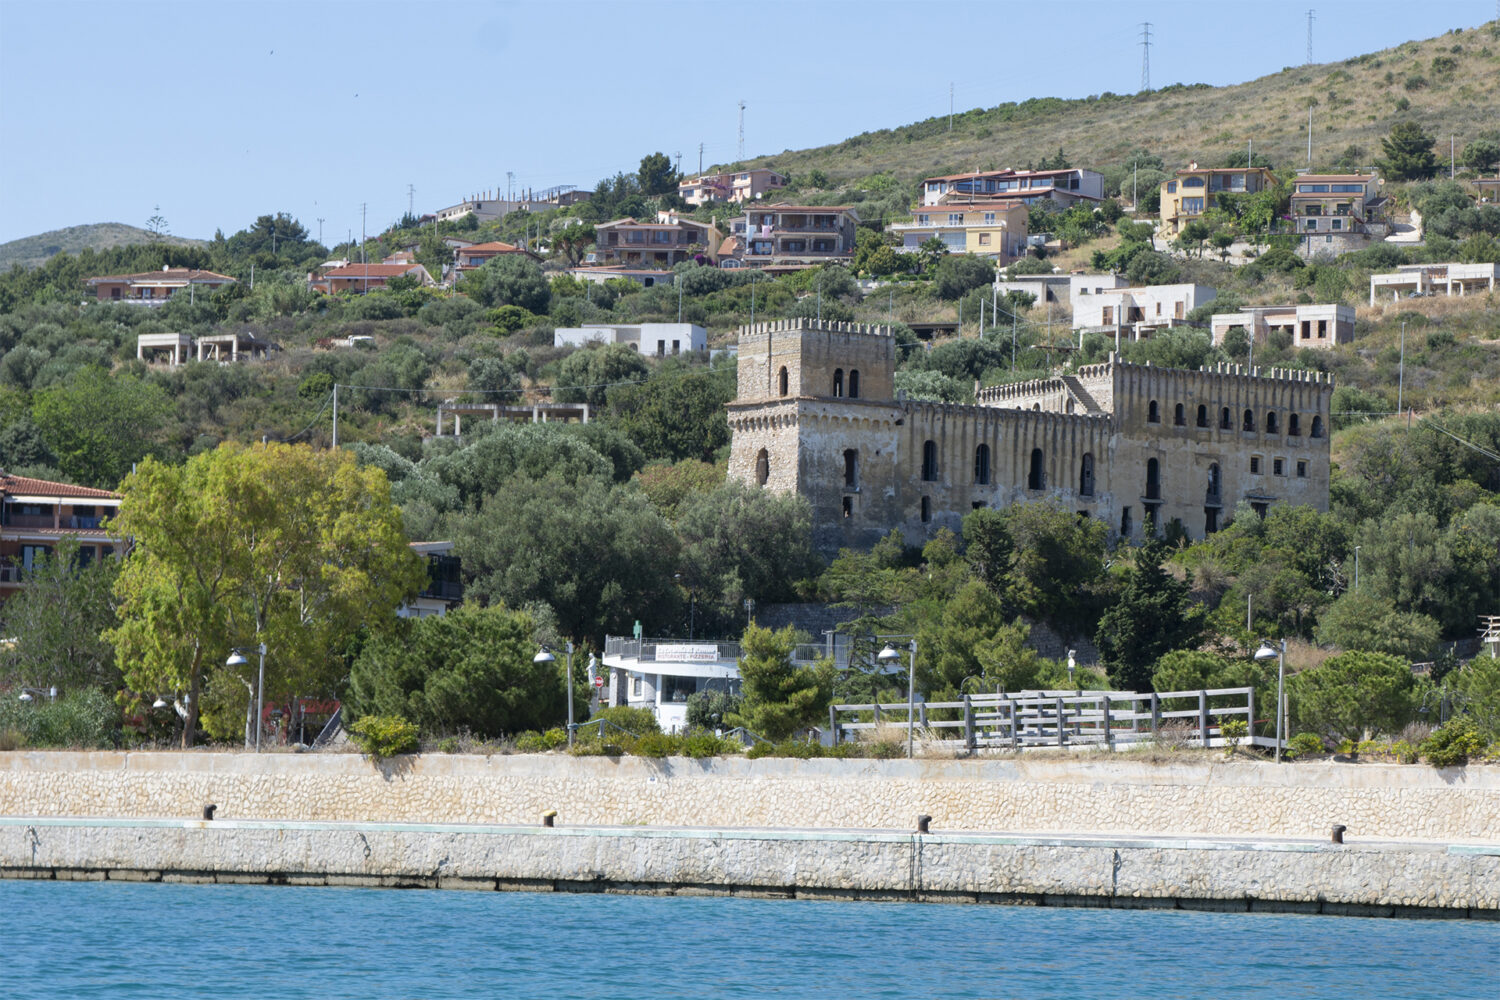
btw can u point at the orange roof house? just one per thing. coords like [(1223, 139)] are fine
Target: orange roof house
[(36, 514), (152, 288), (361, 278)]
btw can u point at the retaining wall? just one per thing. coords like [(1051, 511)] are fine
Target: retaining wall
[(1093, 794)]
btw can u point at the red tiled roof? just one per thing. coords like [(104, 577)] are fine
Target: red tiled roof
[(370, 271), (168, 274), (823, 209), (729, 246), (493, 247), (26, 486)]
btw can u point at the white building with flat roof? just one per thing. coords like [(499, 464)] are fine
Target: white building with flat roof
[(659, 339), (1427, 279), (1134, 313)]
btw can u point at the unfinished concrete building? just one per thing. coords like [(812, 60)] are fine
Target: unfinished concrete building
[(1138, 446)]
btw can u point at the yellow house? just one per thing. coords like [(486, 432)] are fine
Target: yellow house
[(990, 229), (1195, 190)]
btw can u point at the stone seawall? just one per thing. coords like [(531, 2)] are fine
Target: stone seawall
[(1092, 794), (1362, 880)]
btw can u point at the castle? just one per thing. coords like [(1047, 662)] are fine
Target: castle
[(1139, 446)]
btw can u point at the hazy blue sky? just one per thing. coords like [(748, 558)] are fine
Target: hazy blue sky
[(221, 110)]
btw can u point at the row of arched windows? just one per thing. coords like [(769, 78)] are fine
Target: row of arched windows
[(1036, 473), (1226, 420), (841, 385)]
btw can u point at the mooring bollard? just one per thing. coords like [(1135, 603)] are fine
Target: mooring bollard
[(1338, 833), (208, 810), (923, 822), (548, 817)]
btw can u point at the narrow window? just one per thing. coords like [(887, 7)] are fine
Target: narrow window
[(854, 383), (982, 465), (926, 509), (1278, 467), (1249, 421), (1293, 425), (1125, 525), (1254, 465), (762, 467), (1202, 415), (1317, 426), (1224, 420), (848, 506), (1153, 480), (929, 462), (1037, 479), (1213, 482), (1086, 476), (1153, 413), (1301, 470), (838, 381), (1179, 416), (1271, 422), (1210, 520), (851, 468), (783, 379)]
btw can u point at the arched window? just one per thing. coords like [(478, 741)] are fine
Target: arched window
[(1193, 182), (1086, 476), (1153, 479), (854, 383), (1202, 415), (783, 379), (982, 465), (1213, 481), (1153, 413), (926, 509), (1293, 425), (1249, 421), (1225, 422), (1179, 416), (851, 468), (1271, 422), (929, 462), (1317, 426), (763, 466), (1037, 478), (838, 381)]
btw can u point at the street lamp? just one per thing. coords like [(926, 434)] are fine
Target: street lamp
[(1266, 652), (546, 657), (237, 659), (889, 655), (31, 694)]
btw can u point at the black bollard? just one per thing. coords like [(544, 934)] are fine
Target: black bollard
[(1338, 833), (923, 822), (548, 817), (208, 810)]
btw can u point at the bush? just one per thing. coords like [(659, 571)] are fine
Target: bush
[(1303, 745), (383, 736), (85, 719), (635, 721), (1453, 744), (534, 742), (657, 744)]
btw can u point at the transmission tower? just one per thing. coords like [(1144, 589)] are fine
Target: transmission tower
[(1310, 19), (411, 193), (1145, 55), (742, 130)]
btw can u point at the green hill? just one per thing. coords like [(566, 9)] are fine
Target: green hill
[(1450, 85), (30, 251)]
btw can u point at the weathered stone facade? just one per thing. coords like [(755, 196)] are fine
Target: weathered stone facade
[(1136, 445)]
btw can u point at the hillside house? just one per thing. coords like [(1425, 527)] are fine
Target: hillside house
[(444, 589), (987, 229), (668, 241), (1066, 187), (659, 339), (1415, 280), (1314, 326), (731, 186), (789, 237), (154, 288), (1195, 190), (37, 514), (479, 254), (357, 279), (1134, 313)]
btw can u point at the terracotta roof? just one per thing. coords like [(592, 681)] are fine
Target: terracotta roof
[(492, 247), (654, 225), (370, 271), (729, 246), (822, 209), (26, 486), (168, 274)]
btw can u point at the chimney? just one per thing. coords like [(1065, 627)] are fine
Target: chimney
[(166, 267), (1193, 165)]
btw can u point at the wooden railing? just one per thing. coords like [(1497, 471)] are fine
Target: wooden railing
[(1028, 720)]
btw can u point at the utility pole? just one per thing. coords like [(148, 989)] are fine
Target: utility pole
[(700, 159), (1401, 374), (679, 162), (336, 416), (320, 229), (742, 130), (1309, 135), (950, 106), (1451, 140), (1310, 19), (1145, 55), (362, 239), (510, 185), (411, 193)]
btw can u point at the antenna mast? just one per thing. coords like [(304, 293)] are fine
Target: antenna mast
[(1145, 55), (1310, 19), (742, 130), (411, 192)]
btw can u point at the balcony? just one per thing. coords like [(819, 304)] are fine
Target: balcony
[(32, 521), (811, 227)]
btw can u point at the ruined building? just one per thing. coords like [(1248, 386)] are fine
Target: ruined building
[(1139, 446)]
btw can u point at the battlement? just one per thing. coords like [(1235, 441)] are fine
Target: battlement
[(1017, 390), (813, 326), (1277, 374)]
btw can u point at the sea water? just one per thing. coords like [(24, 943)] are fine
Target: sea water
[(125, 940)]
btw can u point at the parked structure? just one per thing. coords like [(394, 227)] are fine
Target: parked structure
[(668, 241), (1427, 279), (155, 288), (37, 514), (1315, 326), (1135, 445), (660, 339), (791, 237), (357, 279), (1067, 187), (988, 229), (1127, 313), (731, 186), (1195, 190)]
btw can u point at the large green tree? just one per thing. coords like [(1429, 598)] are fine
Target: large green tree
[(281, 544), (1354, 695), (1042, 559), (1152, 615), (1408, 153), (679, 413), (508, 279), (780, 697), (98, 424), (656, 175)]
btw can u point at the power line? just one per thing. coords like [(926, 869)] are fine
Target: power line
[(1145, 55)]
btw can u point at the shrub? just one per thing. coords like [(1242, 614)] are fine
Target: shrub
[(85, 719), (1233, 731), (635, 721), (1405, 752), (1453, 744), (657, 744), (1303, 745), (705, 744), (383, 736)]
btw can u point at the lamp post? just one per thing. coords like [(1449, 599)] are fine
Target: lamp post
[(1356, 568), (31, 694), (546, 657), (1265, 652), (890, 655), (237, 659)]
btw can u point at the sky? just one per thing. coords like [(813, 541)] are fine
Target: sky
[(210, 113)]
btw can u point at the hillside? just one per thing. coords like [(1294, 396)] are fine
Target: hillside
[(29, 251), (1449, 85)]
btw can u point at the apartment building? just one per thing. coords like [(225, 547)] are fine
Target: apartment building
[(732, 186), (37, 514), (1067, 186), (787, 237), (659, 339), (1195, 190), (1335, 203), (668, 241), (985, 228), (1133, 313)]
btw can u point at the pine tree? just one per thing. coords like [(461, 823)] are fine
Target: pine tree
[(1153, 616)]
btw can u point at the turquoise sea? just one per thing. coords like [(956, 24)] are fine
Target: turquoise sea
[(122, 940)]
